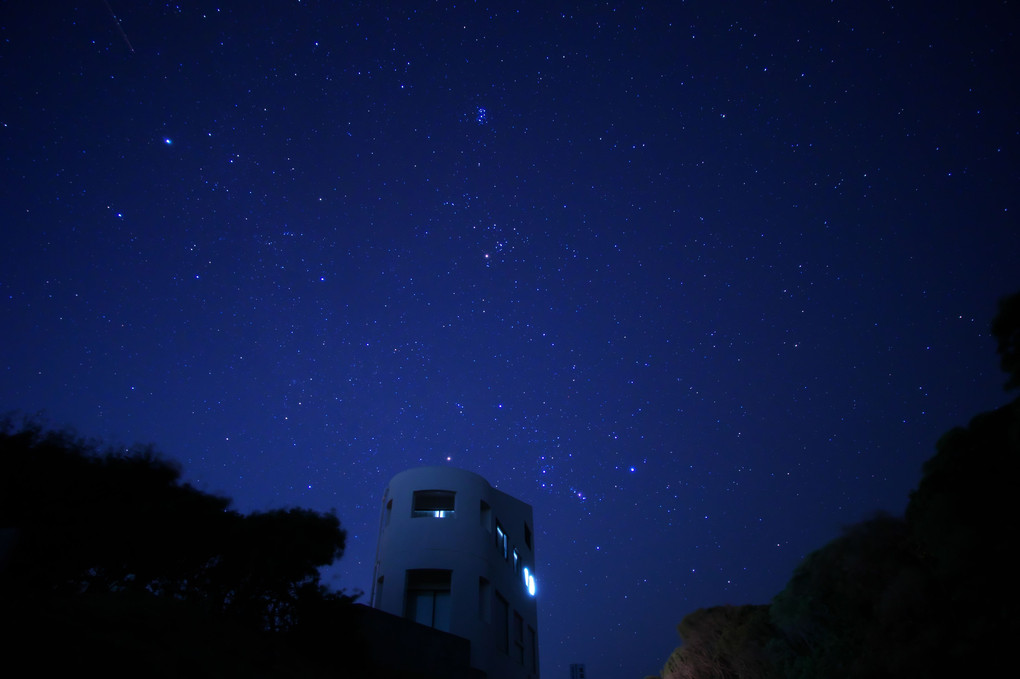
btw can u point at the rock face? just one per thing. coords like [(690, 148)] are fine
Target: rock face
[(721, 642)]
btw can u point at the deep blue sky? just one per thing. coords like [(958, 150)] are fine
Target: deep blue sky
[(700, 281)]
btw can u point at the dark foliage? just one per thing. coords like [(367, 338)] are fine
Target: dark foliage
[(725, 642), (856, 607), (932, 594), (107, 555), (1006, 329), (962, 516)]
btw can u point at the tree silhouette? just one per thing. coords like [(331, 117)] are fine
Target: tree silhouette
[(1006, 329), (931, 594), (962, 516), (851, 608), (108, 552)]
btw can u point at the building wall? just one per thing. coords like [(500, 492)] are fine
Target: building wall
[(424, 653), (489, 601)]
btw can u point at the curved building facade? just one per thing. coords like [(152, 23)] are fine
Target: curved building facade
[(458, 555)]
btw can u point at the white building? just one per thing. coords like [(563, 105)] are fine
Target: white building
[(458, 555)]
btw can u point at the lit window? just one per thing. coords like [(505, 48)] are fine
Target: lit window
[(517, 560), (436, 504), (501, 539), (529, 581)]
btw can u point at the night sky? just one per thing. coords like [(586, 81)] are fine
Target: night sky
[(702, 282)]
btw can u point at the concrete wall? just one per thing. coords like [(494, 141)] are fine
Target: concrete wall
[(398, 648)]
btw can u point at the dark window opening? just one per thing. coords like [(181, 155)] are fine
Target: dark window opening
[(502, 623), (433, 503), (486, 516), (519, 637), (484, 600), (533, 640), (428, 598)]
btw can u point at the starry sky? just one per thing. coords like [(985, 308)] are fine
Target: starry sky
[(701, 281)]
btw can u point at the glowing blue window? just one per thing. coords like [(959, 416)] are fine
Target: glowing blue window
[(501, 539), (529, 581)]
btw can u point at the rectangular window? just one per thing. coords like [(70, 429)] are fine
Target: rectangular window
[(517, 560), (484, 600), (502, 623), (519, 637), (486, 516), (436, 504), (501, 539), (428, 598), (533, 642), (527, 537)]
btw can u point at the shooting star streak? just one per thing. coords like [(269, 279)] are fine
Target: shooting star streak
[(120, 29)]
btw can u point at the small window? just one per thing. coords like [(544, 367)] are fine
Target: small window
[(502, 623), (484, 600), (501, 542), (517, 560), (485, 515), (436, 504), (527, 537), (533, 642), (529, 581), (389, 510), (518, 637)]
